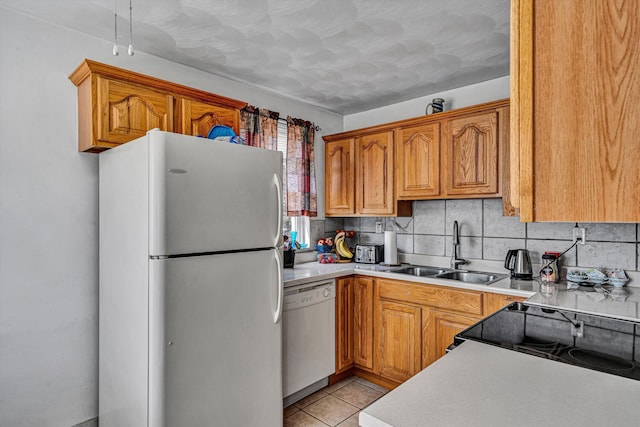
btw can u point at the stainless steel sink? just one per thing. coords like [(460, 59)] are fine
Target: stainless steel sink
[(471, 277), (421, 271), (476, 277)]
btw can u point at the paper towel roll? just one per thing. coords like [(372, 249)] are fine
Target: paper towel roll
[(390, 247)]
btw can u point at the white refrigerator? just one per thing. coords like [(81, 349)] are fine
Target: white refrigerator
[(190, 302)]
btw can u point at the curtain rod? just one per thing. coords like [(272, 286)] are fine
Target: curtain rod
[(317, 128)]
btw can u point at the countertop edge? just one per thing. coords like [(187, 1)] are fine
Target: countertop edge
[(314, 271), (475, 384)]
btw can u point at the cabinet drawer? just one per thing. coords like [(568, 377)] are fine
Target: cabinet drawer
[(468, 302)]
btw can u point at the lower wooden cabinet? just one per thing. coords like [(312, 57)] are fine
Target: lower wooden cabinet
[(440, 327), (398, 340), (389, 330), (344, 324), (363, 322), (494, 302)]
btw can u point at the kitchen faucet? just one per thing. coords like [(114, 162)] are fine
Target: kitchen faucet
[(455, 261)]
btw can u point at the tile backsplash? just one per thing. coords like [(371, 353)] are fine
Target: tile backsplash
[(487, 235)]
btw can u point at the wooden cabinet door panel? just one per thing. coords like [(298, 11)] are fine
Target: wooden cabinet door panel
[(374, 180), (129, 111), (472, 154), (432, 295), (197, 118), (439, 330), (494, 302), (418, 161), (344, 323), (577, 126), (398, 340), (339, 177), (363, 322)]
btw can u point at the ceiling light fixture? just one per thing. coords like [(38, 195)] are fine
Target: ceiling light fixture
[(115, 30), (130, 50), (116, 51)]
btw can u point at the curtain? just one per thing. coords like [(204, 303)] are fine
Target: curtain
[(301, 173), (259, 127)]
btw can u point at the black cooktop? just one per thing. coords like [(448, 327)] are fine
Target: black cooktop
[(589, 341)]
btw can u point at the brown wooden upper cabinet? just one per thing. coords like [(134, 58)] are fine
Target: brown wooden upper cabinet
[(374, 180), (456, 154), (575, 86), (339, 173), (116, 106), (471, 154), (196, 118), (359, 175), (418, 161)]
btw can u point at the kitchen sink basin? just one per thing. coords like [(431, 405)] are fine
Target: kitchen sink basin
[(475, 277), (421, 271), (471, 277)]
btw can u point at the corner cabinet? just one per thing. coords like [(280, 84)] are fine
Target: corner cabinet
[(116, 106), (575, 110)]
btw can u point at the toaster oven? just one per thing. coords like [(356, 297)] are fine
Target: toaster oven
[(369, 254)]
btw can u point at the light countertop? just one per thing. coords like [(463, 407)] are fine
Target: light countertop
[(482, 385), (621, 303), (312, 271)]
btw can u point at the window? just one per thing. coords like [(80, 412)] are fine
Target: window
[(300, 224)]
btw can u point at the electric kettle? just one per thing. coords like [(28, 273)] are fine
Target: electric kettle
[(519, 262)]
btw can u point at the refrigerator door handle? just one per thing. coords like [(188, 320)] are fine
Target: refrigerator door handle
[(278, 184), (280, 284)]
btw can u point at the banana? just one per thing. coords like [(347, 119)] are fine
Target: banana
[(339, 248), (337, 242), (344, 249)]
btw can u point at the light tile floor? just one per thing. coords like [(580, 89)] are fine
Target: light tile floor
[(336, 405)]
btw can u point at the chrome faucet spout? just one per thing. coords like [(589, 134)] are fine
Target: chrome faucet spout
[(456, 262), (456, 237)]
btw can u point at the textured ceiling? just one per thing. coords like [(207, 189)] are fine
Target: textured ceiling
[(343, 55)]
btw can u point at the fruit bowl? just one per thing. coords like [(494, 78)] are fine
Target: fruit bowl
[(327, 258), (323, 248)]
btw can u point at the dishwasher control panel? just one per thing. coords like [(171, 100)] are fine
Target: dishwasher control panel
[(309, 294)]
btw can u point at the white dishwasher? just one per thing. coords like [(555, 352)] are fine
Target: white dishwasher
[(308, 337)]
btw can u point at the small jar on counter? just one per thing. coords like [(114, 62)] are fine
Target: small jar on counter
[(549, 272)]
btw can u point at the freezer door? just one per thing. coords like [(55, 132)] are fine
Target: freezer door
[(208, 196), (215, 341)]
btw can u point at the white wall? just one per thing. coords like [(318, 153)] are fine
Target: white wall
[(48, 215), (490, 90)]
